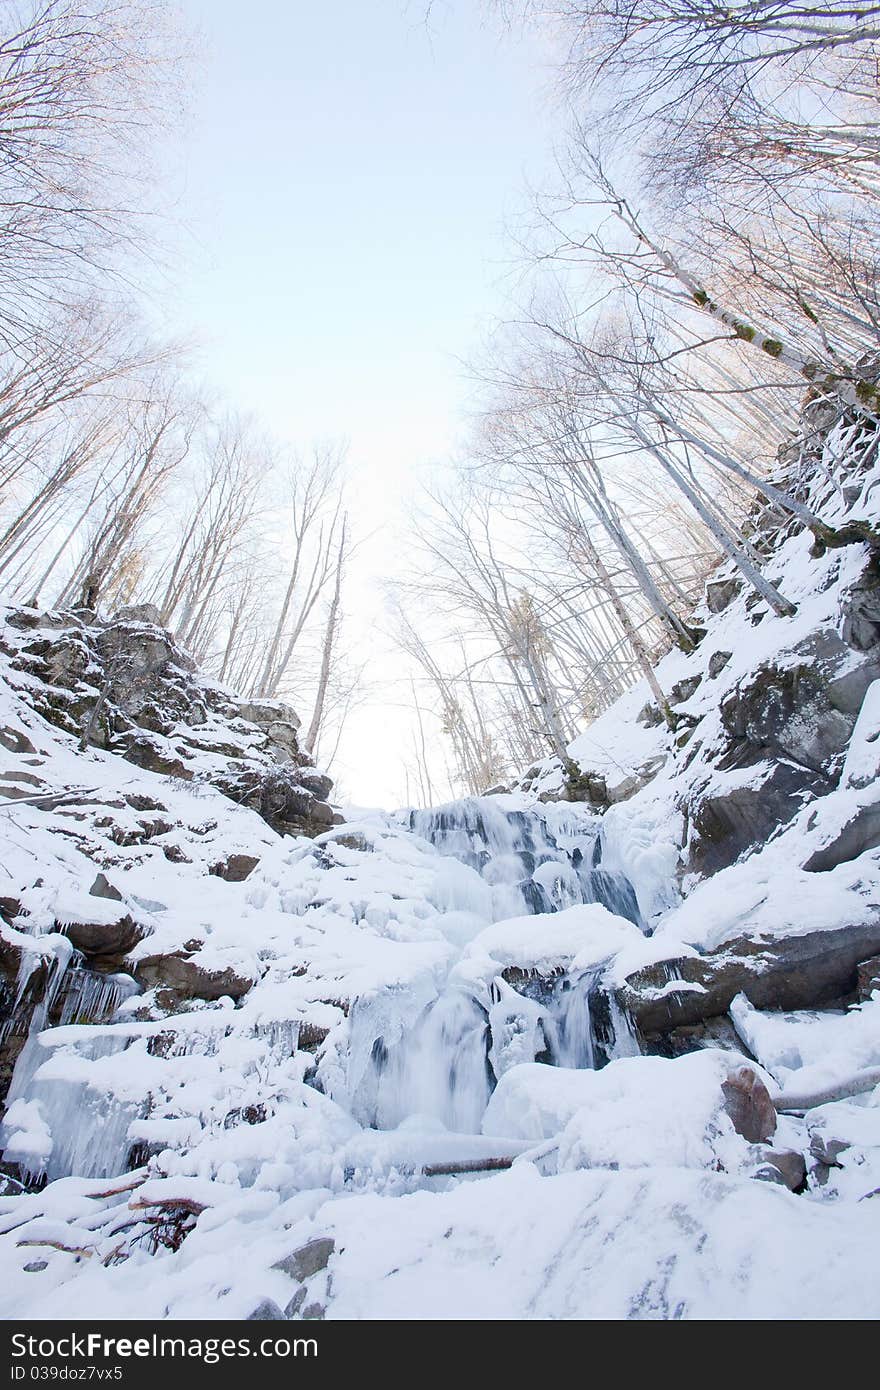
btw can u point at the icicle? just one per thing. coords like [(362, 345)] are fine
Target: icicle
[(59, 1124), (517, 1027)]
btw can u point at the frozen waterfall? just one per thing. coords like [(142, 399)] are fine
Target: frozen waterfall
[(441, 1058)]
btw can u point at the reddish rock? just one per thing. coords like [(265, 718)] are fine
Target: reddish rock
[(747, 1102)]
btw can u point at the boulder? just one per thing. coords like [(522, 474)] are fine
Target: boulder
[(318, 783), (104, 938), (629, 785), (793, 972), (103, 888), (720, 593), (308, 1259), (266, 712), (825, 1149), (291, 1309), (650, 716), (861, 611), (684, 689), (138, 613), (717, 663), (786, 1167), (266, 1311), (14, 740), (235, 868), (803, 709), (747, 1102), (861, 832), (724, 823), (179, 976)]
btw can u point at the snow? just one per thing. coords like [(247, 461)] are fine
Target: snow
[(416, 990), (638, 1112)]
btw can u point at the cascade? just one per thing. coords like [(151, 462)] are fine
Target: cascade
[(57, 1122), (427, 1052), (537, 860), (441, 1058)]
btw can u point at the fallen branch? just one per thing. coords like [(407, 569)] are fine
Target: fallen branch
[(134, 1180), (171, 1205), (56, 1245)]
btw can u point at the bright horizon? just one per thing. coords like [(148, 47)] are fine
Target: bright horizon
[(342, 245)]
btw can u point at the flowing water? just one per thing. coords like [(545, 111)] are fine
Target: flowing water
[(442, 1058), (413, 1053)]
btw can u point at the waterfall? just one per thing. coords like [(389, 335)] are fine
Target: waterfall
[(537, 860), (440, 1058), (429, 1049), (58, 1119)]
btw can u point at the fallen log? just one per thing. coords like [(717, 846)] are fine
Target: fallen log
[(464, 1165), (854, 1085)]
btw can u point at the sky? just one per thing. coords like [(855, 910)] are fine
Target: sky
[(350, 175)]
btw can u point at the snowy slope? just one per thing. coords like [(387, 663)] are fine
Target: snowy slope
[(396, 1066)]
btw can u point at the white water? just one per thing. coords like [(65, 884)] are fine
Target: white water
[(429, 1051), (440, 1056)]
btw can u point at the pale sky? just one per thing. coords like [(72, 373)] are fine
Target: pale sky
[(351, 175)]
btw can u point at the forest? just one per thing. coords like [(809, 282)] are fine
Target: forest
[(703, 265)]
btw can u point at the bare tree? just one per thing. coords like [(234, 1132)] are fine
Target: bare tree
[(315, 519)]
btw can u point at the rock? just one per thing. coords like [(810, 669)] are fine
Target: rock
[(318, 783), (103, 888), (868, 978), (861, 612), (500, 789), (180, 976), (786, 1167), (315, 1312), (720, 593), (266, 1311), (717, 663), (803, 708), (9, 909), (35, 1266), (726, 823), (104, 938), (292, 1308), (650, 716), (308, 1259), (711, 1032), (747, 1102), (139, 613), (14, 741), (628, 786), (279, 797), (355, 839), (684, 689), (284, 735), (794, 972), (581, 785), (860, 833), (235, 868), (266, 712), (143, 803), (826, 1150), (146, 752)]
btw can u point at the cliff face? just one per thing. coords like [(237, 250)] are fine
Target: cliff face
[(119, 758)]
